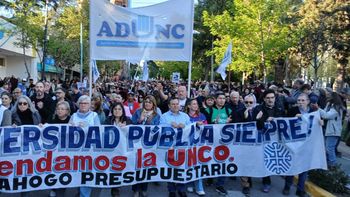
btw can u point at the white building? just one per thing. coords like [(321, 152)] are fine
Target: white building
[(11, 56)]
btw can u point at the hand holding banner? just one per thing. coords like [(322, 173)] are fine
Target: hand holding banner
[(57, 156)]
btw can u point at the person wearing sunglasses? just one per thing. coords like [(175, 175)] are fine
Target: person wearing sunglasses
[(246, 115), (24, 112)]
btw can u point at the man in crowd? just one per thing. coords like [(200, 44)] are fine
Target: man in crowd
[(17, 92), (182, 95), (265, 113), (42, 102), (219, 114), (176, 119), (235, 104)]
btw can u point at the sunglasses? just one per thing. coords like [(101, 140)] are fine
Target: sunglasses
[(248, 102), (22, 103)]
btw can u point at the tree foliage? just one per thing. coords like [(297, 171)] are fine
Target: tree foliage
[(259, 31), (325, 27)]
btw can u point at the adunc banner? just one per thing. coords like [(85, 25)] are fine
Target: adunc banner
[(61, 156), (159, 32)]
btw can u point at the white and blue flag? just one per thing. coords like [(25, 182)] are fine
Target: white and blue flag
[(95, 72), (225, 62), (145, 71)]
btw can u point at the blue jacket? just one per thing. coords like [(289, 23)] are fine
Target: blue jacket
[(135, 118)]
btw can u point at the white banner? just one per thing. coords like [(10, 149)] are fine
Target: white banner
[(159, 32), (57, 156)]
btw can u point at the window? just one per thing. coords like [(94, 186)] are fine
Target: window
[(2, 62)]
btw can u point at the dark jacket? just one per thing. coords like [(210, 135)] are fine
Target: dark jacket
[(17, 120), (275, 111), (110, 120), (48, 109)]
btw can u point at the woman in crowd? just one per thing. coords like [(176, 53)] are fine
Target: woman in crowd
[(62, 116), (62, 113), (208, 102), (146, 115), (192, 109), (333, 113), (84, 118), (96, 106), (5, 113), (118, 118), (24, 112), (6, 99), (303, 107)]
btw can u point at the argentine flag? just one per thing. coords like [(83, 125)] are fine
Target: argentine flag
[(225, 62)]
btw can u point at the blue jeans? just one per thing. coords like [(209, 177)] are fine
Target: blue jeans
[(85, 191), (301, 182), (331, 142), (198, 184)]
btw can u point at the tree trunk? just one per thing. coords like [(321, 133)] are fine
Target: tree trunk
[(262, 49), (339, 81), (24, 56)]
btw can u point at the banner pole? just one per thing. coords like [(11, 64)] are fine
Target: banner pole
[(90, 65), (190, 62)]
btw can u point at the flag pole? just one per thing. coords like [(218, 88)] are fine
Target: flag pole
[(229, 81), (190, 62)]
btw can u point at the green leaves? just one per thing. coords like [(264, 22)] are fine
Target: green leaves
[(259, 30)]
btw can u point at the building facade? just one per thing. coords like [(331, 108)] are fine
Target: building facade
[(12, 58)]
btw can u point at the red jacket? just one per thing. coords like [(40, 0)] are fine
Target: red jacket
[(133, 108)]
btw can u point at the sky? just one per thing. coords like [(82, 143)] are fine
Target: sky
[(141, 3), (133, 4)]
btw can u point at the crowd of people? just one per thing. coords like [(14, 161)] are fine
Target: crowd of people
[(165, 103)]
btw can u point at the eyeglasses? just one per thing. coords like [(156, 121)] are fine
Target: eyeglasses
[(147, 101), (270, 97), (22, 103), (61, 109), (248, 102)]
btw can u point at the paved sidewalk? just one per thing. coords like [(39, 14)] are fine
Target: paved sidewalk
[(233, 187)]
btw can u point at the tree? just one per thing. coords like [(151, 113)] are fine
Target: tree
[(26, 20), (259, 31), (328, 22), (203, 40)]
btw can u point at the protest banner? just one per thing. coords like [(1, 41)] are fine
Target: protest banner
[(162, 31), (61, 156)]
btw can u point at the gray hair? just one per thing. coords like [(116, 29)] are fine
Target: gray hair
[(30, 104), (65, 103), (254, 99), (84, 98), (234, 93)]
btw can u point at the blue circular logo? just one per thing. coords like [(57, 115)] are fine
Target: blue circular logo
[(277, 158)]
